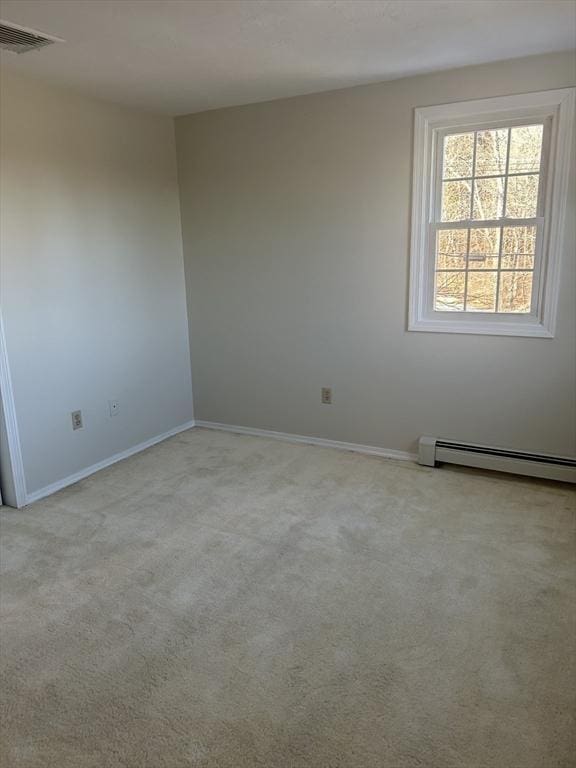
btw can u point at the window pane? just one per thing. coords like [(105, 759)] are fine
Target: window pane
[(515, 292), (488, 198), (522, 197), (518, 248), (456, 200), (525, 148), (481, 292), (451, 248), (449, 294), (458, 151), (484, 248), (491, 148)]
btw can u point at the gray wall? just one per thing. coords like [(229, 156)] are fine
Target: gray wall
[(92, 276), (296, 227)]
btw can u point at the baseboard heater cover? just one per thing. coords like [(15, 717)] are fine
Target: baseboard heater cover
[(434, 450)]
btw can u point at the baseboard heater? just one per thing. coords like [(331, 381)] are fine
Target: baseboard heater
[(434, 450)]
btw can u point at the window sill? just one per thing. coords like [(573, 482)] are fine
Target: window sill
[(479, 327)]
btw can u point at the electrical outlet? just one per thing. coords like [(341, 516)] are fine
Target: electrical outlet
[(76, 419), (327, 395), (114, 407)]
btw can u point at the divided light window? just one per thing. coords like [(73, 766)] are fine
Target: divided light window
[(489, 196), (489, 219)]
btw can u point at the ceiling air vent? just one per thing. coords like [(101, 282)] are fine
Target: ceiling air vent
[(21, 39)]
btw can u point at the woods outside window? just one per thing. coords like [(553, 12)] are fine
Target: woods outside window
[(489, 199)]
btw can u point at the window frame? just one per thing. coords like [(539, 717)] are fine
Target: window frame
[(553, 109)]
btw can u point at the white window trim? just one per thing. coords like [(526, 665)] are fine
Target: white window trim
[(556, 106)]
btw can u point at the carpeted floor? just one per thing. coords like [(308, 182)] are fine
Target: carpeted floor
[(223, 601)]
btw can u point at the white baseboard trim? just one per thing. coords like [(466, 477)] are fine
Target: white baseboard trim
[(71, 479), (371, 450)]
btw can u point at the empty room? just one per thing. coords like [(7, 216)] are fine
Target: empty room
[(287, 384)]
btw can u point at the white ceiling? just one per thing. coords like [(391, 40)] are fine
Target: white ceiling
[(179, 56)]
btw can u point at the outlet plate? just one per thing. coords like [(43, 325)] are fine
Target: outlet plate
[(114, 407), (77, 420), (326, 395)]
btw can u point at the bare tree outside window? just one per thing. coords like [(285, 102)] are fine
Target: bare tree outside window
[(489, 202), (490, 176)]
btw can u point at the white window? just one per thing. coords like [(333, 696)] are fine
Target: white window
[(489, 201)]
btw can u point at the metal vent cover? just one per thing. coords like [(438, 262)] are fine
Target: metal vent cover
[(21, 39)]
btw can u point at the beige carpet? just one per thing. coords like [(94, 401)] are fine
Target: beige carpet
[(224, 601)]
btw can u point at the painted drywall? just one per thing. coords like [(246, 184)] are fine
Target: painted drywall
[(181, 56), (92, 281), (296, 243)]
